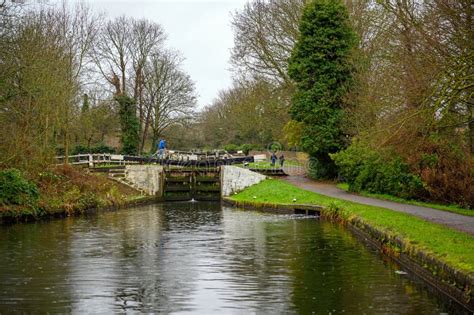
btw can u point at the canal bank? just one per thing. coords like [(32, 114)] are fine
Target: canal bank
[(440, 256), (63, 191), (66, 191), (204, 258)]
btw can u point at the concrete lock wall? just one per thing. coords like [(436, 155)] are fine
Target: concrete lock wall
[(146, 177), (235, 179)]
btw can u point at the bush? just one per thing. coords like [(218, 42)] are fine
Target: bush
[(231, 148), (246, 148), (15, 189), (100, 148), (60, 151), (447, 171), (365, 169), (80, 149)]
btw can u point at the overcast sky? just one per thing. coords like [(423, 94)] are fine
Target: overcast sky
[(199, 29)]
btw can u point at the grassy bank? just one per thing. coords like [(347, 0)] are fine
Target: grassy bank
[(450, 208), (454, 248), (68, 190)]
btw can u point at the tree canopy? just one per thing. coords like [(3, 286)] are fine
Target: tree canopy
[(321, 66)]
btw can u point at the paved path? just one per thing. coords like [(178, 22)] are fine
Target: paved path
[(453, 220)]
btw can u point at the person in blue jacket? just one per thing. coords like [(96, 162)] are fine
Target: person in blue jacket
[(161, 148)]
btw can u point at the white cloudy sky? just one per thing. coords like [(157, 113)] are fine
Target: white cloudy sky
[(200, 29)]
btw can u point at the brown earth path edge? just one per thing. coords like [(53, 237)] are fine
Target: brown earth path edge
[(456, 285)]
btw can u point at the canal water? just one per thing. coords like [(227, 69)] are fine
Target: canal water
[(202, 258)]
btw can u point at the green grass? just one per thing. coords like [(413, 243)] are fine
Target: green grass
[(450, 208), (447, 245)]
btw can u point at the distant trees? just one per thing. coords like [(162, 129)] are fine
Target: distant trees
[(42, 58), (51, 56), (248, 113), (265, 33), (131, 56), (321, 67)]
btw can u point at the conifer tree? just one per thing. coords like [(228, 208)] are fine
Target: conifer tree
[(129, 123), (321, 68)]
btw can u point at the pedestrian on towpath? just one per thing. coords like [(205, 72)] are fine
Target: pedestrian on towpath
[(273, 158), (282, 160)]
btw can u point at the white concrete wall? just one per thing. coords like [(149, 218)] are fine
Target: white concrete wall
[(145, 177), (235, 179)]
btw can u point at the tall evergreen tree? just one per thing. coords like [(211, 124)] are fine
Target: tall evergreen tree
[(321, 67), (129, 123)]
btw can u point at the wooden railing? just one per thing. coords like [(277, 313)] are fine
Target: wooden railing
[(95, 159), (171, 158)]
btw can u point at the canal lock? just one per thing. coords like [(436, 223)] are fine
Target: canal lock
[(195, 183)]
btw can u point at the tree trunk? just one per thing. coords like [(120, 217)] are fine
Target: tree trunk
[(471, 125), (66, 147)]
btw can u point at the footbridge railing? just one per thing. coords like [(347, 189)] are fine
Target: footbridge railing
[(181, 159)]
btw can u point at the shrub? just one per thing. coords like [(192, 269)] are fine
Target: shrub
[(365, 169), (246, 148), (60, 150), (448, 172), (80, 149), (15, 189), (99, 148), (102, 148), (231, 148)]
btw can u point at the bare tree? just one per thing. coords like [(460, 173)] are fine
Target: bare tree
[(122, 49), (169, 94), (265, 33), (112, 52), (146, 38)]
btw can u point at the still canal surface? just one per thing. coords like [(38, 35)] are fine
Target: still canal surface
[(202, 258)]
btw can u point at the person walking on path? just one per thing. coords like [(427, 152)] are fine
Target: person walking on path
[(273, 159), (282, 160)]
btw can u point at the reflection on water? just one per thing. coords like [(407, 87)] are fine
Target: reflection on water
[(198, 257)]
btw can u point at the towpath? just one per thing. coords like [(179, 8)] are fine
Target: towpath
[(456, 221)]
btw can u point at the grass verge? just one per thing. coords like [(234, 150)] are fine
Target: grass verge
[(449, 208), (454, 248)]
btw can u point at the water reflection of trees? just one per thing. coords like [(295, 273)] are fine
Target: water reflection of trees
[(149, 263), (193, 256), (33, 267), (308, 267)]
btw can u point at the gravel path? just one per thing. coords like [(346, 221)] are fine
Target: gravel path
[(452, 220)]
